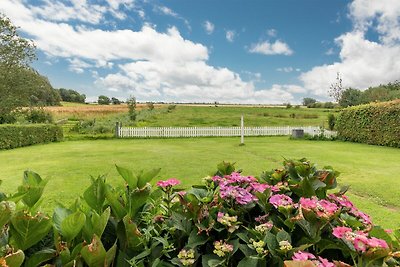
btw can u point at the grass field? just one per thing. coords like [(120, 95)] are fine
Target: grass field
[(372, 172)]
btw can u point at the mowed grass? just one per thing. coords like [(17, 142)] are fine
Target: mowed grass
[(372, 172)]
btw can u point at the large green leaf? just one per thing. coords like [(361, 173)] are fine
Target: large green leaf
[(96, 223), (251, 262), (94, 195), (116, 206), (128, 176), (72, 225), (196, 239), (14, 259), (110, 255), (137, 198), (94, 253), (145, 177), (32, 188), (59, 215), (132, 233), (40, 257), (27, 230), (6, 210)]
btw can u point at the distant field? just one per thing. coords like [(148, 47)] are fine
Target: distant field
[(372, 171)]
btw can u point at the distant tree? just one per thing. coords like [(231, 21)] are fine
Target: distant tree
[(69, 95), (16, 53), (115, 101), (104, 100), (131, 101), (350, 97), (308, 100), (336, 88)]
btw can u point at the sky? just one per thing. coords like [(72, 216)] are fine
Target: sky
[(229, 51)]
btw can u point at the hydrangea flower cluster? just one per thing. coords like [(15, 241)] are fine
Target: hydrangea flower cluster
[(168, 183), (281, 200), (186, 257), (258, 246), (264, 227), (304, 256), (346, 205), (359, 239), (239, 188), (221, 249), (323, 209), (229, 221)]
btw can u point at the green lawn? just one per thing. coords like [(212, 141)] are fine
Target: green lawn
[(373, 172)]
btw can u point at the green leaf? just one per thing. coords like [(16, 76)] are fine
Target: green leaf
[(380, 233), (146, 177), (72, 225), (250, 262), (32, 187), (94, 253), (94, 195), (110, 255), (6, 210), (308, 228), (96, 224), (283, 236), (137, 198), (59, 215), (132, 233), (271, 242), (116, 207), (27, 230), (128, 176), (15, 259), (196, 239), (40, 257)]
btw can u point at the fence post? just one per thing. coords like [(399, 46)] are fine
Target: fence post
[(117, 126), (241, 130)]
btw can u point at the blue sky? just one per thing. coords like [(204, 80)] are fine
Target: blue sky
[(237, 51)]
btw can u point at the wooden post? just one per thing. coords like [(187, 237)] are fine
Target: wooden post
[(117, 129), (241, 131)]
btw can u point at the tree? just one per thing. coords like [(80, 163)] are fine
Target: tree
[(115, 101), (350, 97), (308, 101), (103, 100), (16, 53), (69, 95), (150, 105), (336, 89), (131, 101)]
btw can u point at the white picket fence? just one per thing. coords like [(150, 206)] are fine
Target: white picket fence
[(166, 132)]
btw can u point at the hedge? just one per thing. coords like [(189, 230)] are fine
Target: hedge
[(375, 124), (13, 136)]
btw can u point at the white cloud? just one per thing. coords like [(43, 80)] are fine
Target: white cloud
[(77, 65), (169, 12), (208, 27), (230, 35), (363, 63), (267, 48), (285, 69), (272, 32), (330, 52)]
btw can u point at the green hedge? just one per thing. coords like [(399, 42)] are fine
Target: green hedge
[(12, 136), (376, 124)]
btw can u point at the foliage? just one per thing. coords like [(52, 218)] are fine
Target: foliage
[(285, 217), (38, 115), (376, 123), (331, 121), (13, 136), (328, 105), (350, 97), (336, 88), (308, 100), (103, 100), (69, 95), (150, 105), (131, 101), (115, 101)]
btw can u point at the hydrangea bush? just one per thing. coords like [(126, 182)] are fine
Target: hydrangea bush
[(285, 217)]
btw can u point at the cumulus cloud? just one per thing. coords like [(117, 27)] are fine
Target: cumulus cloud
[(363, 63), (272, 32), (268, 48), (230, 35), (208, 27)]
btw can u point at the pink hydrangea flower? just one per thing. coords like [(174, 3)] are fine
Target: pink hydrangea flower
[(280, 200), (364, 217), (240, 195), (303, 256), (326, 209), (260, 187), (360, 243), (325, 263), (341, 231), (342, 200), (377, 243), (169, 182), (308, 203)]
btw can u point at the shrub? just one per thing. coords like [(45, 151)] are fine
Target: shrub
[(13, 136), (150, 105), (331, 121), (376, 124), (285, 217), (38, 115)]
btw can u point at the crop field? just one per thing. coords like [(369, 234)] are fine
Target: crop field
[(371, 171)]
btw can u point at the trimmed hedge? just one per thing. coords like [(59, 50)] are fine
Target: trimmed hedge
[(375, 124), (13, 136)]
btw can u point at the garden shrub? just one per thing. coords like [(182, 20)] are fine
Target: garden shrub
[(284, 217), (13, 136), (38, 115), (376, 124)]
